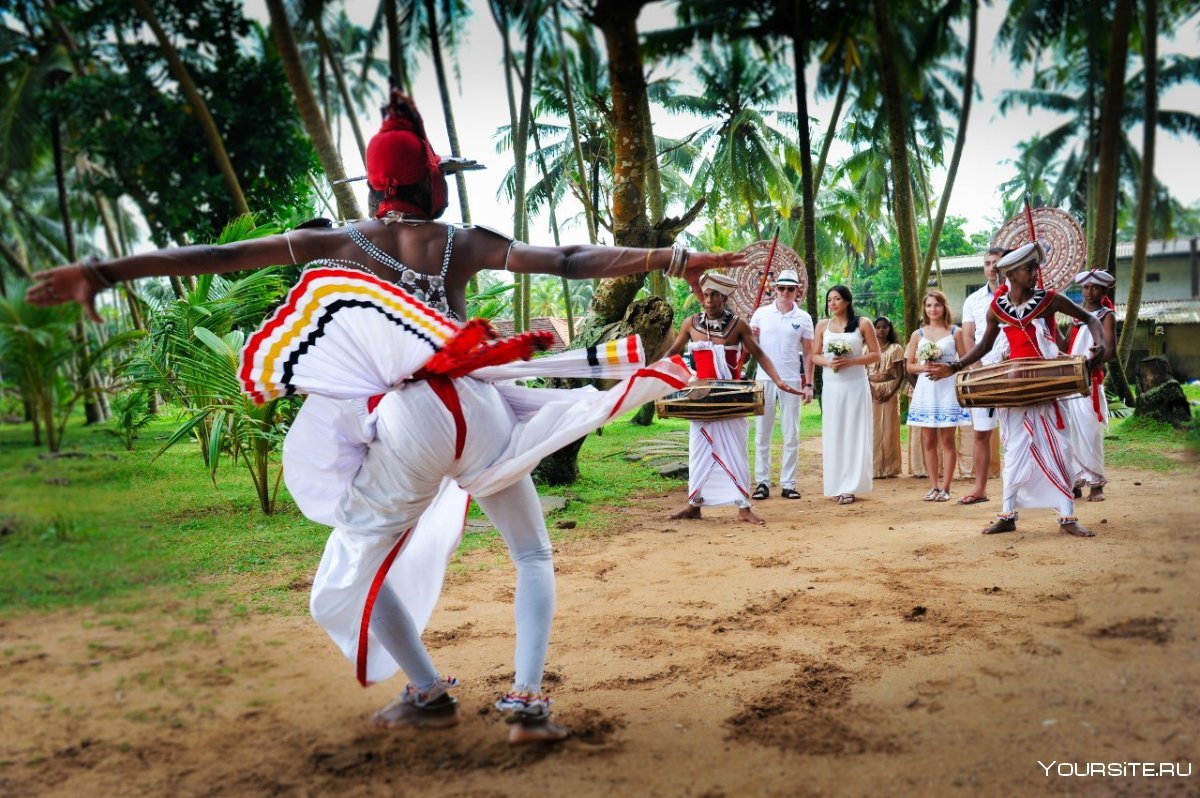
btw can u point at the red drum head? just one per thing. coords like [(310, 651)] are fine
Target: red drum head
[(1061, 237), (749, 277)]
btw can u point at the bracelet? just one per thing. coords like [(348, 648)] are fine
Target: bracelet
[(647, 266), (91, 268), (679, 260), (956, 366), (287, 236)]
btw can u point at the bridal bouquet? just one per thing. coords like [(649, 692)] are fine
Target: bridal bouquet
[(929, 351), (838, 349)]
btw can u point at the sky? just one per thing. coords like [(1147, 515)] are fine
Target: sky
[(481, 107)]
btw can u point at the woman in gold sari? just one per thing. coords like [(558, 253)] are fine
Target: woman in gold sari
[(885, 378)]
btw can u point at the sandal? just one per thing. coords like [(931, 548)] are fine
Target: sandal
[(761, 491), (943, 496), (971, 498), (788, 493), (932, 495), (846, 498)]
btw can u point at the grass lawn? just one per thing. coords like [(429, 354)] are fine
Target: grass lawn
[(96, 523)]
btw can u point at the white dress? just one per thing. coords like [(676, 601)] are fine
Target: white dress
[(934, 403), (846, 422)]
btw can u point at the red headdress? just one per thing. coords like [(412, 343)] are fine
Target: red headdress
[(402, 165)]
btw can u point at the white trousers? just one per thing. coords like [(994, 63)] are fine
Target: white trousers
[(789, 420)]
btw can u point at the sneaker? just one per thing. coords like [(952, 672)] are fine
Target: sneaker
[(761, 491), (432, 709)]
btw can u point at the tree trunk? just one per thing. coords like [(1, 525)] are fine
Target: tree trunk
[(1141, 239), (215, 143), (566, 284), (960, 138), (439, 66), (395, 49), (339, 77), (808, 187), (617, 20), (310, 113), (830, 130), (1110, 137), (580, 164), (893, 102)]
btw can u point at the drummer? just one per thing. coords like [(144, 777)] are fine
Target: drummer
[(1037, 458), (718, 464)]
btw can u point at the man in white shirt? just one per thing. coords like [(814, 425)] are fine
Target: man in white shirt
[(983, 419), (785, 332)]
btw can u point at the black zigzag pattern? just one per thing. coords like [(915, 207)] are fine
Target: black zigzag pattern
[(319, 330)]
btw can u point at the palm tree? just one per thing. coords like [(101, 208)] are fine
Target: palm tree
[(215, 142), (745, 156), (310, 112)]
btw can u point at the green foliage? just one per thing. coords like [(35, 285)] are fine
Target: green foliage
[(126, 115), (130, 415)]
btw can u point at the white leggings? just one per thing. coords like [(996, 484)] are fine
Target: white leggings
[(517, 515)]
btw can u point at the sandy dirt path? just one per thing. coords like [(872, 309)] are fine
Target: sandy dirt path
[(885, 648)]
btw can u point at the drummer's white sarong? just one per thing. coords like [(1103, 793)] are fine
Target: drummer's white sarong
[(1037, 459), (1087, 422), (718, 463)]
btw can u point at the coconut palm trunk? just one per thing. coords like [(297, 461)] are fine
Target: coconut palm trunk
[(903, 205), (310, 112), (339, 77), (199, 108), (1141, 240), (573, 120), (439, 66), (1108, 167), (808, 187), (960, 139)]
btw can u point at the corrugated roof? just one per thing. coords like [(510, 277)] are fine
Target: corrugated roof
[(1169, 246), (504, 328), (1155, 249), (1166, 311)]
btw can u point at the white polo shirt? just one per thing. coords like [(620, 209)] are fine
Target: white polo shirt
[(975, 309), (780, 335)]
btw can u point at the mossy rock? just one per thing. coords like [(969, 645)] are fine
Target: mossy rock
[(1166, 403)]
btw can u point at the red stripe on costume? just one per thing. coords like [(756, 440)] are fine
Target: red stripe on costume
[(445, 390), (632, 347), (1041, 463), (1055, 450), (721, 462), (369, 605), (669, 379)]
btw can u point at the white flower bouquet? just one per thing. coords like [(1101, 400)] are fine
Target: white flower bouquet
[(929, 351), (838, 349)]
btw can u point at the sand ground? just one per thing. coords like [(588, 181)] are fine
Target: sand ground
[(885, 648)]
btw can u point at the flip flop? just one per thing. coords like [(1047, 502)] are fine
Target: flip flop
[(971, 498)]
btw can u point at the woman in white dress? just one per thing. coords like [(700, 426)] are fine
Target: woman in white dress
[(845, 344), (934, 408)]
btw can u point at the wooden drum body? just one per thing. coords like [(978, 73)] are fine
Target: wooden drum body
[(1022, 382), (712, 400)]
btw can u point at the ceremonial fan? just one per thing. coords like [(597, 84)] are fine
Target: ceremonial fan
[(764, 261), (1060, 236)]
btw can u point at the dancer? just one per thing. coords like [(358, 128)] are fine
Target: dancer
[(885, 378), (846, 345), (400, 423), (934, 409), (718, 468), (1037, 453), (983, 419), (1087, 416), (784, 330)]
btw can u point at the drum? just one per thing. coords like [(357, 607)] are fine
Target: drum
[(1022, 382), (712, 400)]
